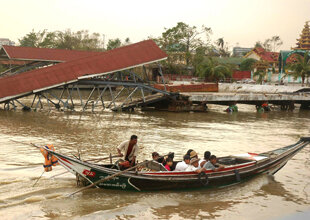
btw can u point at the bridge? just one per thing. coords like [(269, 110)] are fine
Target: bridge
[(43, 71)]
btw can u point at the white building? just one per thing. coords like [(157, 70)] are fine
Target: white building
[(6, 41)]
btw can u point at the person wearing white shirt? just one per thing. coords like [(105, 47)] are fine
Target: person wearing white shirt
[(193, 165), (181, 166), (130, 149)]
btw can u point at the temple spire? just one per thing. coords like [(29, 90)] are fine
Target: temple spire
[(303, 43)]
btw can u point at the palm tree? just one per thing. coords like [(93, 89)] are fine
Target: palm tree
[(261, 74), (247, 64), (301, 67), (220, 42), (213, 71)]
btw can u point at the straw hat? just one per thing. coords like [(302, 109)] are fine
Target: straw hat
[(193, 154), (193, 160)]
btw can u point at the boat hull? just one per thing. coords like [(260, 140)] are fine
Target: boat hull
[(150, 181)]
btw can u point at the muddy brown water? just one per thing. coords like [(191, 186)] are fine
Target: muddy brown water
[(98, 134)]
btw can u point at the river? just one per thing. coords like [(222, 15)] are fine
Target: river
[(98, 134)]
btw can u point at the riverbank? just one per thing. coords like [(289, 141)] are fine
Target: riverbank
[(254, 88), (188, 86)]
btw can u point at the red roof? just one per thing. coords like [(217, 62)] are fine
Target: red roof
[(111, 61), (265, 55), (292, 58), (13, 62), (46, 54)]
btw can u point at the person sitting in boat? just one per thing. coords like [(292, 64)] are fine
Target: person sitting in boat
[(130, 149), (181, 166), (189, 152), (193, 166), (211, 164), (205, 159), (193, 154), (169, 163), (155, 156)]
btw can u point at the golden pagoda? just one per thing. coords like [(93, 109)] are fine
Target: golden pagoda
[(303, 43)]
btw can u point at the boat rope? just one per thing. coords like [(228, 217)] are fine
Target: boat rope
[(38, 179)]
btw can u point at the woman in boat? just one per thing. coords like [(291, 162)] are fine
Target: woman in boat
[(169, 163)]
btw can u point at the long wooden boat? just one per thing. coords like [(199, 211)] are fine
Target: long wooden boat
[(153, 176)]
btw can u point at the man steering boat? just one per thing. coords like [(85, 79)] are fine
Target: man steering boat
[(130, 149)]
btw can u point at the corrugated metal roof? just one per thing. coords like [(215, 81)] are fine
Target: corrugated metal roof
[(14, 62), (111, 61), (45, 54)]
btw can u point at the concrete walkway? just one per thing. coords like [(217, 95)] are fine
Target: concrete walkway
[(254, 88)]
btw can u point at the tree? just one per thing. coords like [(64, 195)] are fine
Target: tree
[(247, 64), (80, 40), (270, 44), (301, 67), (115, 43), (40, 39), (276, 42), (183, 38), (199, 57), (213, 71), (127, 41), (220, 42), (258, 44), (222, 47), (261, 74), (267, 45)]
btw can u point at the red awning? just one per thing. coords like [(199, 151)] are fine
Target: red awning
[(64, 73)]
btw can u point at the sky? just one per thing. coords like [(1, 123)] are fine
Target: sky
[(239, 22)]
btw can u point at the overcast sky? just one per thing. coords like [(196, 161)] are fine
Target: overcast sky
[(240, 22)]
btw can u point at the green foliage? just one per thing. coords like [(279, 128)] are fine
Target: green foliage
[(175, 69), (270, 44), (213, 71), (183, 38), (258, 44), (260, 74), (247, 64), (114, 43), (80, 40), (222, 47), (40, 39), (199, 56), (301, 67)]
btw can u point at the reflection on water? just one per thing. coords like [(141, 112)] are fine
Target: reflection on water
[(99, 133)]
